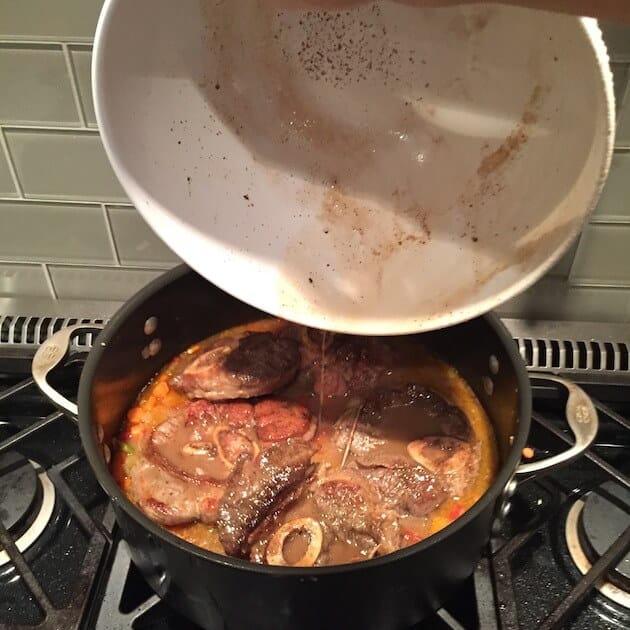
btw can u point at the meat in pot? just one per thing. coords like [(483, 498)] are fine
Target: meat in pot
[(402, 485), (256, 487), (351, 509), (193, 447), (168, 499), (455, 461), (350, 365), (280, 419), (295, 447), (240, 366)]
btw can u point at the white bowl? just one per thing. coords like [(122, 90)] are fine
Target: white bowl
[(384, 170)]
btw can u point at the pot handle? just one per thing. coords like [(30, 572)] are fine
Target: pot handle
[(49, 354), (582, 418)]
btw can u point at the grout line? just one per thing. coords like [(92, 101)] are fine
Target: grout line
[(575, 247), (36, 198), (624, 100), (43, 260), (110, 234), (89, 264), (51, 286), (92, 265), (603, 220), (626, 71), (74, 84), (586, 284), (88, 131), (21, 45), (46, 41), (12, 169), (69, 202)]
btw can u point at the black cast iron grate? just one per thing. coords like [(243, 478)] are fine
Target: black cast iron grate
[(504, 551), (98, 532), (106, 566)]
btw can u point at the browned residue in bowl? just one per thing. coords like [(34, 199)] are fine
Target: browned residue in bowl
[(343, 216), (464, 26), (517, 138), (339, 48), (362, 238)]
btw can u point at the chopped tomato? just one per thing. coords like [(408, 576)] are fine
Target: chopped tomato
[(456, 511), (161, 389), (133, 413), (410, 537), (325, 431)]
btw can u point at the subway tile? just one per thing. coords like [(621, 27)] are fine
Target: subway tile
[(93, 283), (82, 62), (622, 137), (620, 82), (54, 233), (7, 188), (136, 243), (602, 256), (554, 299), (63, 165), (562, 268), (23, 281), (49, 19), (614, 203), (37, 86), (617, 38)]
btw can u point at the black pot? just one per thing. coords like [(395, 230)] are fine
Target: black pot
[(392, 591)]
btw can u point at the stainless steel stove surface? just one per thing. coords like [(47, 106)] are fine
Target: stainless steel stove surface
[(62, 564)]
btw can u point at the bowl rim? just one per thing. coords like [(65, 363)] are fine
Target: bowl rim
[(170, 223)]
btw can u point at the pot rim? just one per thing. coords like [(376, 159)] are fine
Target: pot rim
[(120, 500)]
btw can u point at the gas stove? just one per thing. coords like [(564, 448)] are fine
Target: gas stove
[(558, 558)]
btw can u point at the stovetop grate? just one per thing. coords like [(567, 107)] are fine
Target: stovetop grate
[(502, 552), (493, 578), (574, 355), (28, 332), (552, 346), (99, 533)]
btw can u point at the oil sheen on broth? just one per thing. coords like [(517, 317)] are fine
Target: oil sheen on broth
[(290, 446)]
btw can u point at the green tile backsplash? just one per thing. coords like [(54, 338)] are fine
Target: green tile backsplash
[(623, 125), (63, 165), (614, 204), (63, 20), (620, 81), (23, 280), (82, 62), (7, 187), (602, 256), (67, 230), (54, 233), (136, 244), (556, 299), (99, 283), (39, 86), (563, 267)]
